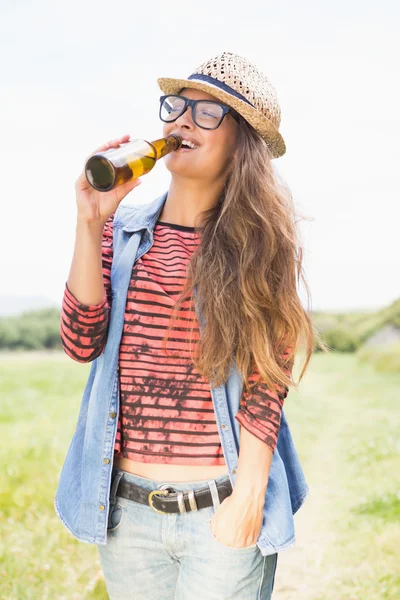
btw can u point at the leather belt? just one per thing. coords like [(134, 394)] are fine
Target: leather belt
[(166, 499)]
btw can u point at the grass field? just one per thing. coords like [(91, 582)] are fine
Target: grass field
[(345, 421)]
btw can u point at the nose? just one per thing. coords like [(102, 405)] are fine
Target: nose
[(185, 119)]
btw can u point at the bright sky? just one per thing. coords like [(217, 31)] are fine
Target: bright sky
[(76, 74)]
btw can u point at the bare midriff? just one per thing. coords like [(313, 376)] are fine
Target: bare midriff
[(171, 473)]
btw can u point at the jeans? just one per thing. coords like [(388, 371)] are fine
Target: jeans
[(176, 556)]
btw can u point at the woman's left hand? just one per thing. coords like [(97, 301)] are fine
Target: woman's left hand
[(237, 522)]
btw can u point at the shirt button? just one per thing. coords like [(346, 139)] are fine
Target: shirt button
[(233, 470), (113, 415), (223, 426), (106, 460), (102, 507), (118, 369)]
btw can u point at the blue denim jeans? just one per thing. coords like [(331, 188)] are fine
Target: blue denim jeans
[(176, 556)]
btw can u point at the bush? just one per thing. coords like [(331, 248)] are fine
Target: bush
[(341, 339), (32, 330)]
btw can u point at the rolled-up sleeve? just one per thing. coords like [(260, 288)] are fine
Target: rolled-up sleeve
[(83, 327), (260, 409)]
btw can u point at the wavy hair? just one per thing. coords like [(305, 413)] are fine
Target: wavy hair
[(246, 269)]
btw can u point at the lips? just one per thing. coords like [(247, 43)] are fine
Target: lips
[(191, 140), (185, 149)]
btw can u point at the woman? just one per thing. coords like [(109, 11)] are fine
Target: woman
[(194, 296)]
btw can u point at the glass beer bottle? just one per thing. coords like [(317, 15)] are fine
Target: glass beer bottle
[(108, 169)]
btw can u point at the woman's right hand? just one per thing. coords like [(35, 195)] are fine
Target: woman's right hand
[(97, 207)]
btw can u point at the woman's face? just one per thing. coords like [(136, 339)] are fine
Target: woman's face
[(216, 146)]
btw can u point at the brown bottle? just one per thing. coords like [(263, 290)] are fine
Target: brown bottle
[(108, 169)]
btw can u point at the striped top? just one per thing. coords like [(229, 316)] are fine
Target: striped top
[(166, 410)]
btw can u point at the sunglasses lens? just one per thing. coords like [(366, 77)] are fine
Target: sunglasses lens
[(171, 108), (208, 114)]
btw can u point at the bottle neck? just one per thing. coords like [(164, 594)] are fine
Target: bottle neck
[(165, 145)]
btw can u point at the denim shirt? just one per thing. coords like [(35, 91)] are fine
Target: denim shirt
[(82, 496)]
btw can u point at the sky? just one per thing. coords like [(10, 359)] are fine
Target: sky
[(76, 74)]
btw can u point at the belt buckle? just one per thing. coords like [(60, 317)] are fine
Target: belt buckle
[(150, 497)]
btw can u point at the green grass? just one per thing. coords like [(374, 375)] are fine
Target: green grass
[(345, 422), (384, 358), (40, 397)]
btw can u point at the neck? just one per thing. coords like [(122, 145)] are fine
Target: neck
[(187, 198)]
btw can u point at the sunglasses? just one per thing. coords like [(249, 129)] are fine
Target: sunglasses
[(207, 114)]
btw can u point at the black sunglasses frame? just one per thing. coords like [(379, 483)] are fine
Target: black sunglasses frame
[(226, 109)]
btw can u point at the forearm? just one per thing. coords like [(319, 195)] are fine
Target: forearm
[(255, 458), (259, 417), (85, 279), (87, 295)]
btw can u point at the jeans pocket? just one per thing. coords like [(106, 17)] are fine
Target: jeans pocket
[(233, 548), (115, 516)]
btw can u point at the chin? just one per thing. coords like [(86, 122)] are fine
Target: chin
[(179, 165)]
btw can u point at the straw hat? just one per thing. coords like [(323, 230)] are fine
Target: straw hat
[(239, 84)]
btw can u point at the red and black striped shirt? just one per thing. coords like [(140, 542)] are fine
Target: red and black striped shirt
[(166, 411)]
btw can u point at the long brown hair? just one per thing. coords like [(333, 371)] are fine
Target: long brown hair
[(246, 268)]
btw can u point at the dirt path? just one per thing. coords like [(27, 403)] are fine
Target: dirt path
[(304, 571)]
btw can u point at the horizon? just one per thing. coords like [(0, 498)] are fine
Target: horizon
[(47, 302)]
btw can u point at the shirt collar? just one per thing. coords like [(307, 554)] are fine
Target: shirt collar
[(132, 218)]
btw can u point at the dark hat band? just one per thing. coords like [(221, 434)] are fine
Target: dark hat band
[(219, 84)]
